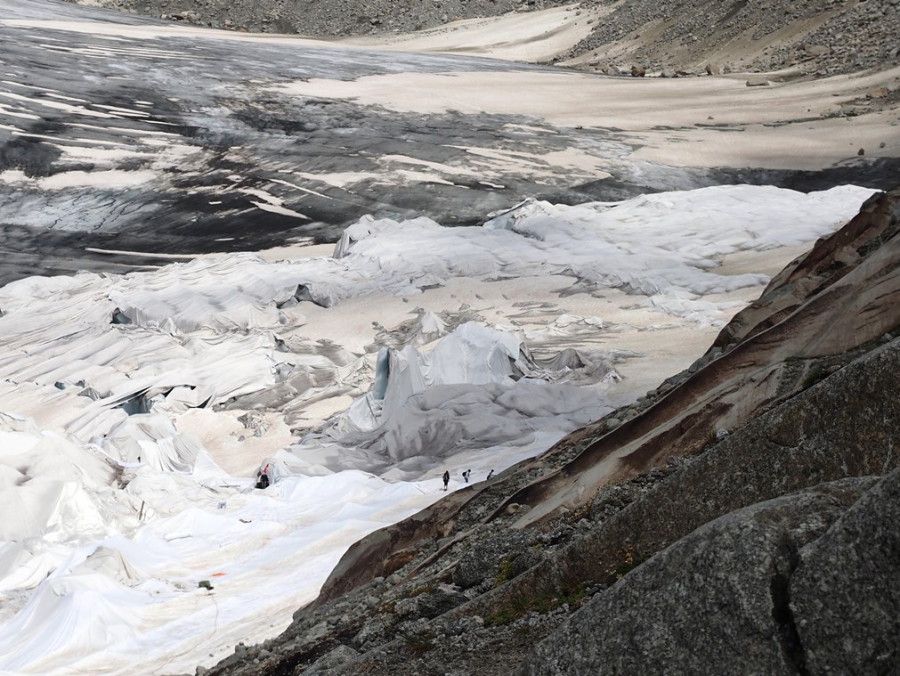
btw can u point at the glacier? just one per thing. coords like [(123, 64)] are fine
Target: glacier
[(198, 330), (135, 409)]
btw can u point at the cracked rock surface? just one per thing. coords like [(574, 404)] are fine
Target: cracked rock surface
[(716, 598), (832, 600)]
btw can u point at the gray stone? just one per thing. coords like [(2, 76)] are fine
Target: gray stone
[(613, 498), (317, 632), (430, 603), (374, 629), (713, 600), (845, 594), (337, 658), (491, 558), (816, 50)]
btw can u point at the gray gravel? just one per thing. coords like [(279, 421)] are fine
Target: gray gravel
[(816, 37)]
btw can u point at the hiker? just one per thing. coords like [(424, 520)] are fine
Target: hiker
[(490, 474), (262, 477), (446, 478), (465, 475)]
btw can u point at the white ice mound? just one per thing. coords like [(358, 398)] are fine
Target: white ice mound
[(152, 440), (67, 616), (669, 242), (473, 354), (53, 489), (471, 391), (191, 297), (664, 245)]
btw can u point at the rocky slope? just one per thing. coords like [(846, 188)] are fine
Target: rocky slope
[(821, 37), (818, 37), (762, 482)]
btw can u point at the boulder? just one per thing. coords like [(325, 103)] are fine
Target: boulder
[(816, 50), (373, 630), (613, 498), (429, 603), (493, 558), (339, 657)]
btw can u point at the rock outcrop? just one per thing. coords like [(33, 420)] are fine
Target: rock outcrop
[(820, 37), (742, 517), (718, 598), (843, 594)]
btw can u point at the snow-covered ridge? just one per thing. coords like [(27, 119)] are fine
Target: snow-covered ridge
[(134, 409)]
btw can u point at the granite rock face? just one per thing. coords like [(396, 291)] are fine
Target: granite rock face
[(716, 599), (845, 593)]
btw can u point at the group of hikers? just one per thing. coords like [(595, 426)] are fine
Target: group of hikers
[(263, 476), (465, 476)]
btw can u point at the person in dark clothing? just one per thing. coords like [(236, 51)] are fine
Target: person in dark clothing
[(465, 475), (262, 477), (446, 478)]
